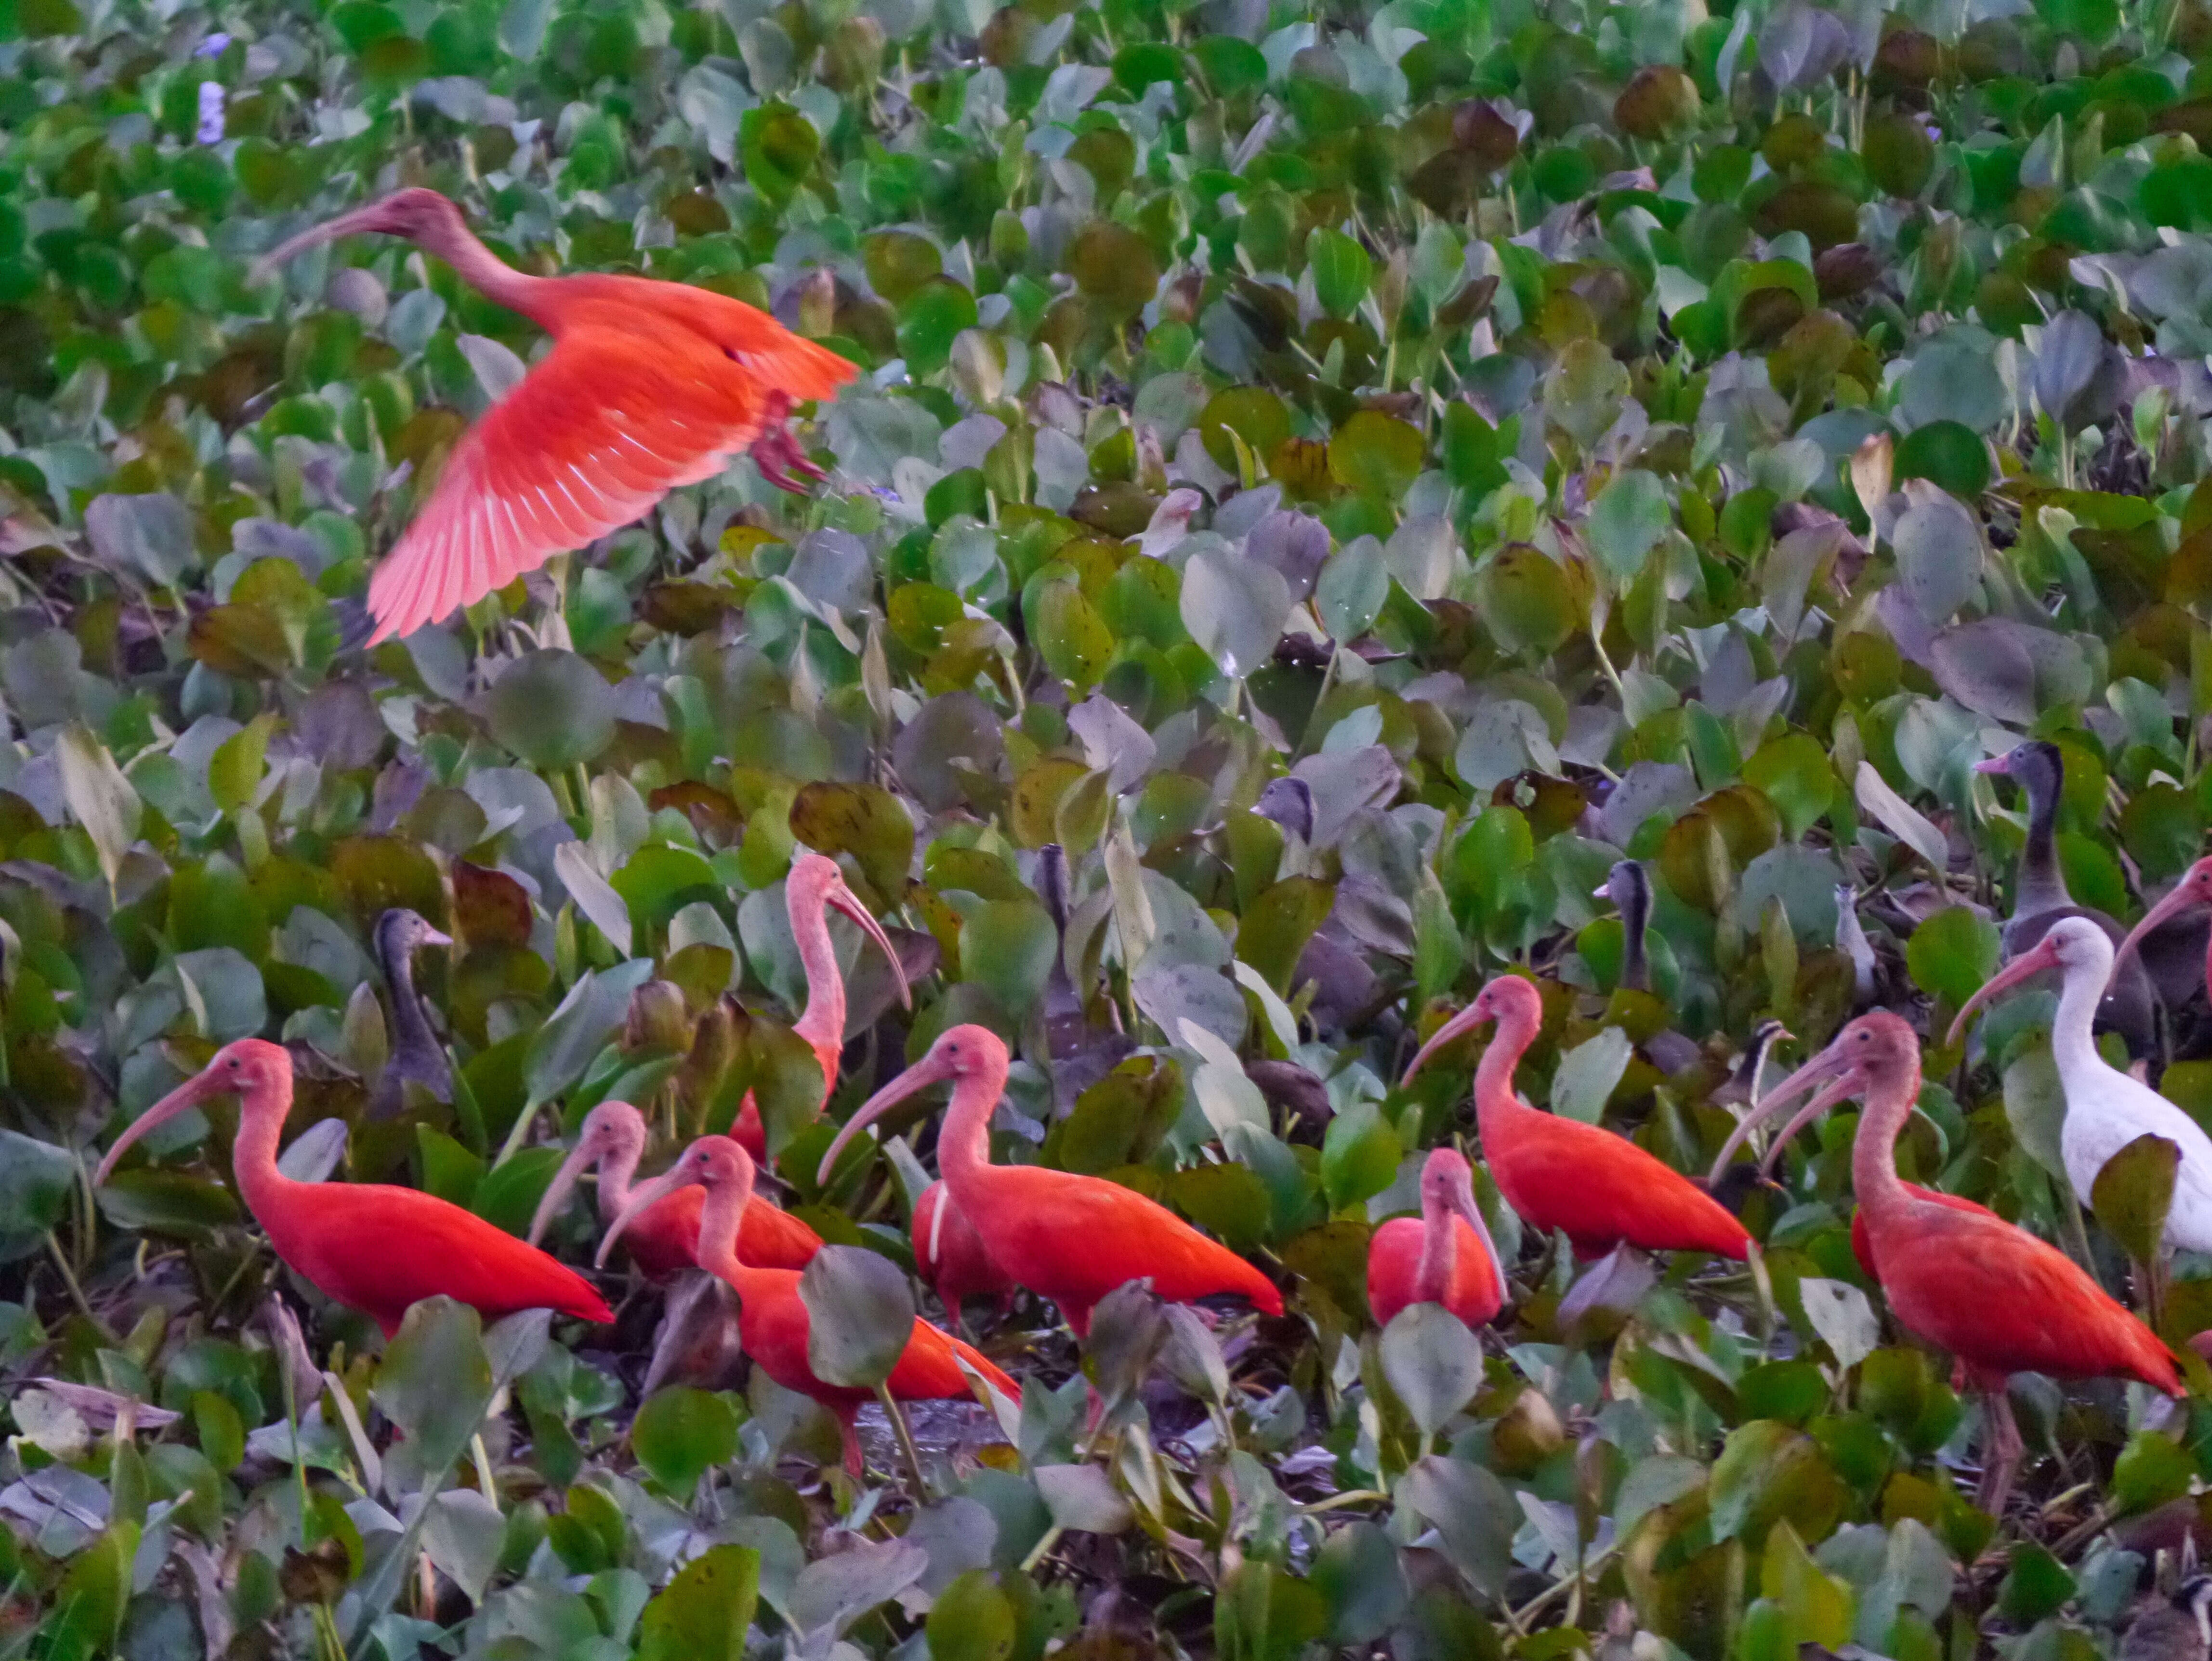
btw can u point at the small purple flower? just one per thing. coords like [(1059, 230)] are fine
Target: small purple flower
[(210, 131), (213, 46)]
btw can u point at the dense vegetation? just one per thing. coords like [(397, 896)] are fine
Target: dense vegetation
[(1550, 432)]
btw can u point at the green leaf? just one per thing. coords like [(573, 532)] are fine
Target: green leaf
[(777, 147), (1007, 946), (1359, 1155), (1340, 270), (1433, 1363), (1768, 1473), (971, 1621), (2133, 1193), (1277, 924), (680, 1434), (435, 1380), (1627, 522), (100, 798), (552, 709), (859, 1316), (36, 1181), (1526, 599), (1953, 953), (705, 1612), (1376, 455)]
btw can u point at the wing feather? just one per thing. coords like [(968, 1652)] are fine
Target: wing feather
[(595, 435)]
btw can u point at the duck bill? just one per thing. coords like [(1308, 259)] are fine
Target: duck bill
[(846, 900), (1994, 764), (1825, 1068), (642, 1197), (916, 1078), (2039, 959), (2179, 900), (563, 1185), (200, 1088), (1450, 1032)]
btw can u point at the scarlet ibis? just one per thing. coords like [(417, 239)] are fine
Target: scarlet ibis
[(649, 386), (666, 1240), (1999, 1300), (815, 885), (1445, 1257), (773, 1320), (2106, 1110), (2040, 898), (950, 1255), (1601, 1189), (416, 1055), (1067, 1238), (2193, 890), (375, 1248)]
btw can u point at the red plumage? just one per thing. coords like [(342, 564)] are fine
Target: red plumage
[(950, 1255), (1393, 1260)]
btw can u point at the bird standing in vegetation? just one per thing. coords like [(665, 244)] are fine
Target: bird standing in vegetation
[(666, 1240), (773, 1319), (1998, 1298), (1445, 1257), (649, 386), (950, 1255), (416, 1055), (1067, 1238), (1559, 1174), (376, 1248)]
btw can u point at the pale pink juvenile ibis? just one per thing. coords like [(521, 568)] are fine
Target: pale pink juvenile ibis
[(773, 1320), (1065, 1236), (2105, 1109), (1444, 1256), (1996, 1298), (664, 1239), (1600, 1189), (375, 1248)]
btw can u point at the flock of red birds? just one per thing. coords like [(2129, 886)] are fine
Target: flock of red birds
[(651, 385)]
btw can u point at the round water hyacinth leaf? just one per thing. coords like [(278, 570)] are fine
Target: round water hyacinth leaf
[(705, 1612), (1953, 953), (1658, 99), (1007, 947), (1434, 1364), (1948, 454), (971, 1621), (436, 1379), (859, 1316), (2152, 1470), (1114, 268), (864, 820), (1899, 153), (899, 262), (2132, 1195), (1627, 521), (2079, 374), (1527, 599), (1794, 773), (777, 147), (1341, 270), (680, 1433), (1939, 552), (1235, 608), (1253, 413), (1583, 391), (552, 709), (1768, 1473), (1376, 455)]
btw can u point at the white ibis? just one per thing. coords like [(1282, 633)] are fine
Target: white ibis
[(2106, 1110)]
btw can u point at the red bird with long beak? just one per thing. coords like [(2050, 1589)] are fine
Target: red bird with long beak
[(1961, 1278), (1067, 1238), (1600, 1189), (1445, 1257), (663, 1240), (951, 1256), (772, 1319), (376, 1248), (2194, 889), (649, 386)]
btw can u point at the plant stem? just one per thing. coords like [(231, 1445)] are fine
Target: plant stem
[(905, 1434), (75, 1291)]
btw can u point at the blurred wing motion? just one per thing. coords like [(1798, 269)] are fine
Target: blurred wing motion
[(610, 422)]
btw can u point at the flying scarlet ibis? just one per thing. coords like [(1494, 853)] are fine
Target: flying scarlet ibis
[(951, 1256), (772, 1318), (664, 1239), (1067, 1238), (1999, 1300), (815, 885), (1560, 1174), (376, 1248), (2106, 1110), (649, 386), (1445, 1258), (2040, 898)]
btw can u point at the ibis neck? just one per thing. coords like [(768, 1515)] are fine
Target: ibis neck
[(1432, 1276), (963, 1146), (485, 271), (618, 1175), (2073, 1033), (823, 1022), (261, 1115), (723, 1210), (1494, 1101), (1873, 1152), (2042, 884)]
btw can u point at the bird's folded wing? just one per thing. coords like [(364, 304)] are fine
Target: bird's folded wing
[(593, 436)]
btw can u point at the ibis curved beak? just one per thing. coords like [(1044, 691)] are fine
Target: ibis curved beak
[(849, 903), (929, 1070), (640, 1197), (2185, 894), (1453, 1029), (586, 1152), (1463, 1203), (371, 217), (1830, 1068), (2038, 959), (203, 1087)]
